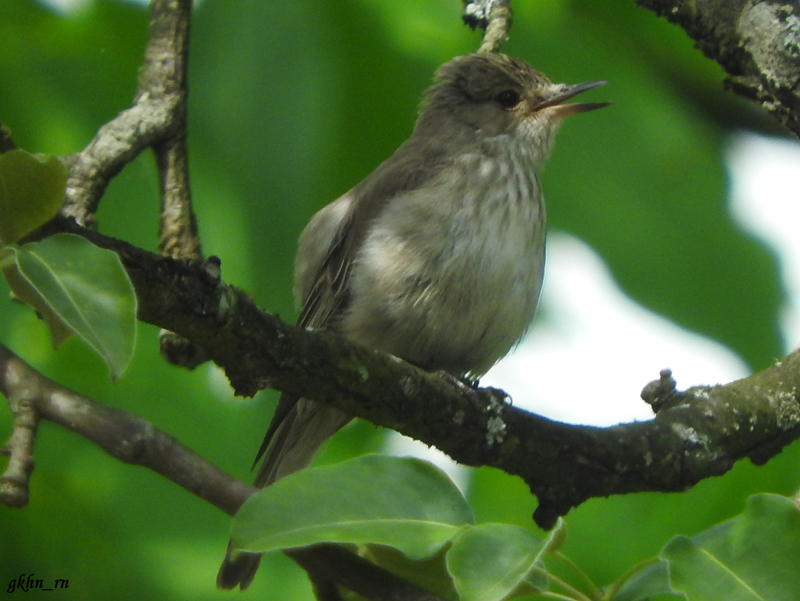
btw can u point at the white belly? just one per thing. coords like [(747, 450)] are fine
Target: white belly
[(450, 285)]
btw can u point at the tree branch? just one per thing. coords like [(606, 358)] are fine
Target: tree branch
[(756, 43), (135, 441), (116, 144), (494, 17), (696, 434), (122, 435), (164, 74), (156, 119), (14, 483)]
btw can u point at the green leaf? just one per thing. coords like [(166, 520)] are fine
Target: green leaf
[(87, 288), (23, 291), (489, 561), (702, 576), (646, 584), (405, 503), (753, 557), (31, 192)]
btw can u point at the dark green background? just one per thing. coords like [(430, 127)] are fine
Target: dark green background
[(291, 104)]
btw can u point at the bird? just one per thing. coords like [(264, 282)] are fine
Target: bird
[(437, 257)]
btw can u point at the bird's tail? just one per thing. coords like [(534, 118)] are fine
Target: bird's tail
[(298, 429)]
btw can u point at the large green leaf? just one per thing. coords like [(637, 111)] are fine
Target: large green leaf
[(754, 557), (401, 502), (31, 192), (488, 561), (89, 291)]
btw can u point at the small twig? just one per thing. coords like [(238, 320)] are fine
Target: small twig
[(494, 17), (178, 226), (15, 481), (500, 19), (659, 393), (164, 73)]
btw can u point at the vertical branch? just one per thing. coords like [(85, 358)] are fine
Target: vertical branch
[(14, 483), (165, 73), (178, 226), (15, 480), (494, 17)]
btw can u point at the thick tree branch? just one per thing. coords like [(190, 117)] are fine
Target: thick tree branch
[(696, 434), (756, 42), (133, 440)]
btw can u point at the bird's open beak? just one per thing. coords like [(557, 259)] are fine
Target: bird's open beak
[(561, 110)]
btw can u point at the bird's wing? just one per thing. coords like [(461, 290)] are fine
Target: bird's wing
[(321, 291), (327, 249)]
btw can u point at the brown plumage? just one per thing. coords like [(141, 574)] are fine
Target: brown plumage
[(436, 257)]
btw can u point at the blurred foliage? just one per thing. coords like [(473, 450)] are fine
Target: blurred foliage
[(292, 103)]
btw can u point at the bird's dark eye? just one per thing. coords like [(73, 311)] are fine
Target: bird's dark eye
[(508, 99)]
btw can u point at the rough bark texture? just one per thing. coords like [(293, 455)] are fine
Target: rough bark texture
[(756, 42)]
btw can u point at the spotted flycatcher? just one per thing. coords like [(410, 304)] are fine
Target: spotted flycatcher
[(437, 257)]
